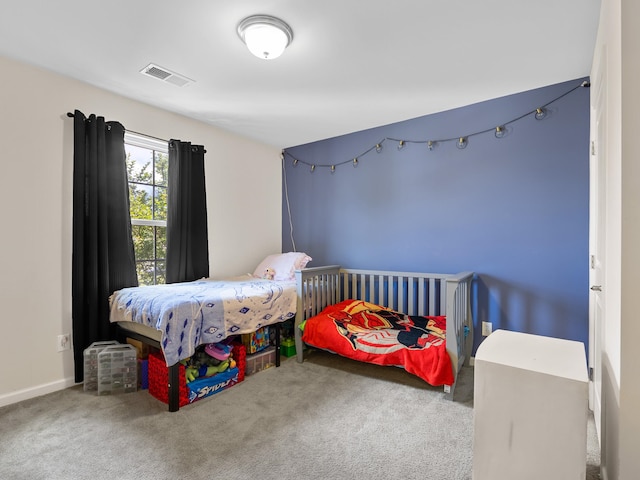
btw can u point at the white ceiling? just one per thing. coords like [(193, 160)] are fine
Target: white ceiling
[(353, 64)]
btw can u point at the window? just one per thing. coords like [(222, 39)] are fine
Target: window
[(147, 171)]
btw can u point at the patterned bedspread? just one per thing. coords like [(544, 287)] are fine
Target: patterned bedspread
[(373, 334), (204, 311)]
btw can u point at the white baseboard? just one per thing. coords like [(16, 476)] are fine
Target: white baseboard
[(27, 393)]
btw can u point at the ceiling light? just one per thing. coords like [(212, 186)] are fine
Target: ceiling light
[(265, 36)]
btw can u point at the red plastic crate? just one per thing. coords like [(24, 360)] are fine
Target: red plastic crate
[(159, 380), (240, 356), (158, 377)]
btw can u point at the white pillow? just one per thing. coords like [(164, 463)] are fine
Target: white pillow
[(282, 266)]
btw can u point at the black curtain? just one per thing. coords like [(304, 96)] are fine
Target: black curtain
[(103, 255), (187, 242)]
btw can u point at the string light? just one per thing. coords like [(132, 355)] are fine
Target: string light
[(461, 141)]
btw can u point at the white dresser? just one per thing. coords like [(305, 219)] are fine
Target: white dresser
[(530, 408)]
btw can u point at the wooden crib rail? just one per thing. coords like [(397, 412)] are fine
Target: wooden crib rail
[(408, 292), (459, 323)]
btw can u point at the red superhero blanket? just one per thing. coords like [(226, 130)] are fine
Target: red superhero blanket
[(373, 334)]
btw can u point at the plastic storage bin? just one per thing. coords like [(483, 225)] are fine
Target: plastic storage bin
[(91, 364), (198, 389), (261, 360), (117, 370), (288, 347), (143, 373)]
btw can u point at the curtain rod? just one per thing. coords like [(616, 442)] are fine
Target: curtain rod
[(71, 115)]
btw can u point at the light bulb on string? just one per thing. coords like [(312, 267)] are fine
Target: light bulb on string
[(499, 131), (333, 168), (295, 162)]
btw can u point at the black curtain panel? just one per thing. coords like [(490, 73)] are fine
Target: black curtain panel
[(187, 241), (103, 256)]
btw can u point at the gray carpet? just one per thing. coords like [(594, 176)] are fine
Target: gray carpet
[(328, 418)]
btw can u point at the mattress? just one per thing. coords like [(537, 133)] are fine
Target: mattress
[(185, 315)]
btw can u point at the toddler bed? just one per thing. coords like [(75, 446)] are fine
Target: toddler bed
[(418, 321), (179, 317)]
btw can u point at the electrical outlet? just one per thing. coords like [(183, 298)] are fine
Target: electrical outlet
[(487, 328), (64, 342)]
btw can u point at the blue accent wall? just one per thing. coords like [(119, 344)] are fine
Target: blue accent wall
[(514, 210)]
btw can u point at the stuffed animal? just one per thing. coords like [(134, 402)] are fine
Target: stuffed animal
[(203, 365), (269, 273), (191, 373)]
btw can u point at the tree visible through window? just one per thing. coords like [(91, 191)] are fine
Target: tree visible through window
[(147, 170)]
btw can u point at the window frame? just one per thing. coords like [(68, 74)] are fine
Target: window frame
[(160, 146)]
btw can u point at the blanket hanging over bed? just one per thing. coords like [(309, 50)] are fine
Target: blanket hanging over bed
[(189, 314), (374, 334)]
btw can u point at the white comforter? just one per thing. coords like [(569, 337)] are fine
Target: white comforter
[(204, 311)]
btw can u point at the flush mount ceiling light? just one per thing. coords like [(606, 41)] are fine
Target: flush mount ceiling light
[(265, 36)]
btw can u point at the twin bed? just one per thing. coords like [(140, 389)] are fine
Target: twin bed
[(418, 321), (179, 317)]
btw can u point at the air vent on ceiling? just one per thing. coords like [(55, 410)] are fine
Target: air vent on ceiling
[(165, 75)]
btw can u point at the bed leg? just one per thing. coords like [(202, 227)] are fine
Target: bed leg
[(449, 389), (278, 330), (448, 392), (299, 346), (174, 387)]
